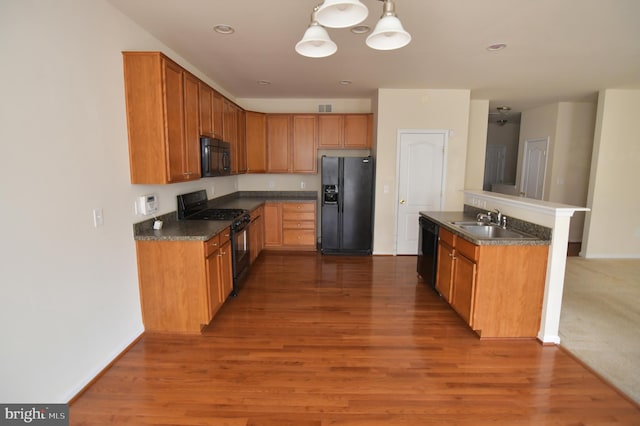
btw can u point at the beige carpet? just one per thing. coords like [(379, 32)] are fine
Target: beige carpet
[(600, 320)]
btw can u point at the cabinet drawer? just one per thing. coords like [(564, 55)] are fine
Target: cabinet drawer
[(467, 249), (297, 224), (225, 235), (302, 237), (446, 236), (298, 207), (298, 216), (211, 245)]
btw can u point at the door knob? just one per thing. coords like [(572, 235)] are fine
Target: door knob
[(402, 201)]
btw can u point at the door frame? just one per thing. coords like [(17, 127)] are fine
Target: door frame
[(445, 133), (525, 163)]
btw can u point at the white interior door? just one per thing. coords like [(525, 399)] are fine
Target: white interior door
[(535, 167), (494, 165), (421, 167)]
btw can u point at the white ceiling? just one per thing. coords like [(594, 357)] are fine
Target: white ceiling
[(558, 50)]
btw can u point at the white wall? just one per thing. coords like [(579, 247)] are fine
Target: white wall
[(70, 299), (612, 228), (569, 127), (417, 109), (477, 146)]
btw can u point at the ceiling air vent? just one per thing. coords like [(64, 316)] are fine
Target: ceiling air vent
[(324, 108)]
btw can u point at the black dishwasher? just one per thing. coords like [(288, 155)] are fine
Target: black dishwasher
[(428, 251)]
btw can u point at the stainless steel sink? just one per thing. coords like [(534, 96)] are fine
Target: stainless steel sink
[(492, 231)]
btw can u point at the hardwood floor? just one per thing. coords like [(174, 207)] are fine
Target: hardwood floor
[(316, 341)]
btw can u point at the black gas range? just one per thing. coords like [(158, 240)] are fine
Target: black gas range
[(194, 206)]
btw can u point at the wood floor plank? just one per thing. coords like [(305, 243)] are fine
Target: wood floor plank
[(337, 340)]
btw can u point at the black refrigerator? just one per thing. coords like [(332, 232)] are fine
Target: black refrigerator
[(347, 205)]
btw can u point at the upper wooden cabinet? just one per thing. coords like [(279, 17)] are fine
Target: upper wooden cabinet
[(206, 109), (303, 144), (233, 131), (256, 140), (278, 142), (291, 143), (345, 131), (163, 119), (218, 111)]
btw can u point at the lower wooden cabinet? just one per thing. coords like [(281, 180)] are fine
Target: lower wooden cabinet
[(290, 225), (256, 234), (183, 283), (496, 289)]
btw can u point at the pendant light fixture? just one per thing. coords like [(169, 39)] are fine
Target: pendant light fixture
[(388, 33), (316, 42), (341, 13)]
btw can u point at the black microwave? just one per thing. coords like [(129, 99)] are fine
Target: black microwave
[(215, 156)]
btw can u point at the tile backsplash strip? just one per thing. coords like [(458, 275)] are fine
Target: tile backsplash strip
[(272, 195), (534, 229)]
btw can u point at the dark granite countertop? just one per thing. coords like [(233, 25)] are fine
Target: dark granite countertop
[(202, 230), (540, 234)]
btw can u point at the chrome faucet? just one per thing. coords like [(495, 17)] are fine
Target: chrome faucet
[(498, 216)]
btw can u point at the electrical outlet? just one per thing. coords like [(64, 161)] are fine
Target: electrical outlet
[(271, 184), (213, 189), (303, 185)]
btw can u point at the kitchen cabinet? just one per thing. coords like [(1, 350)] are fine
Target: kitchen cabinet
[(218, 112), (496, 289), (303, 144), (345, 131), (183, 283), (256, 140), (233, 132), (290, 225), (272, 224), (278, 142), (444, 268), (256, 234), (291, 143), (205, 94), (163, 119)]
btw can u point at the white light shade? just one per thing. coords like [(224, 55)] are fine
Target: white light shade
[(388, 34), (341, 13), (316, 43)]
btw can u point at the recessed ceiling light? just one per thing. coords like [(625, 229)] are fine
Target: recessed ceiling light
[(345, 82), (360, 29), (223, 29), (496, 47), (503, 109), (264, 82)]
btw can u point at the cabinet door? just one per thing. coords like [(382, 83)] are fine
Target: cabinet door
[(272, 224), (357, 131), (242, 141), (303, 146), (218, 111), (256, 231), (278, 138), (464, 284), (330, 131), (174, 96), (444, 275), (256, 136), (226, 272), (192, 128), (230, 132), (205, 94), (214, 283)]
